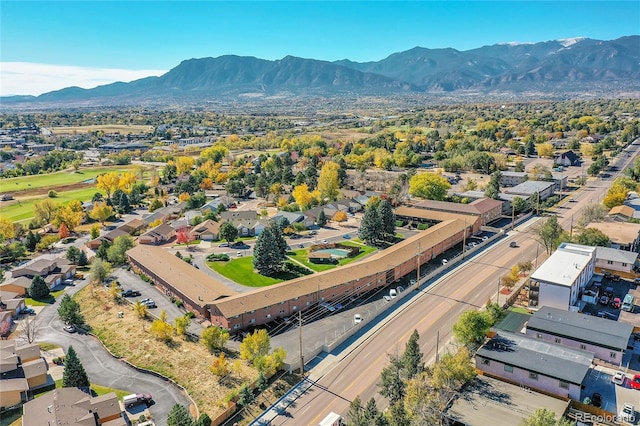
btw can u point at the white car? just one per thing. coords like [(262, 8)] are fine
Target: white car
[(357, 319), (324, 242), (618, 378), (628, 413), (444, 261), (386, 298), (393, 293)]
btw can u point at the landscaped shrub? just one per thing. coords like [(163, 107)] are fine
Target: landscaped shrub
[(218, 257), (52, 194), (179, 303), (189, 314), (399, 223), (423, 226)]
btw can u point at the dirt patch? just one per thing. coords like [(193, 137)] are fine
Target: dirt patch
[(185, 362), (36, 192)]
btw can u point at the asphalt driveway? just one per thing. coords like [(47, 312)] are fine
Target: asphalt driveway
[(105, 370)]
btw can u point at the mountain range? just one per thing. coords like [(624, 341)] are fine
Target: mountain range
[(560, 66)]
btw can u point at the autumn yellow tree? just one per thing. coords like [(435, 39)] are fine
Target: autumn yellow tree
[(108, 182), (161, 329), (615, 197), (328, 181), (545, 149), (303, 197), (45, 210), (69, 216), (207, 183), (339, 216), (6, 229), (101, 212), (184, 164), (127, 181), (220, 366)]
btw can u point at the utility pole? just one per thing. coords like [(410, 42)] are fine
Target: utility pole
[(464, 239), (498, 293), (300, 335), (513, 214), (571, 228), (418, 268)]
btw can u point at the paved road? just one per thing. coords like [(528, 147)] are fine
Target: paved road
[(355, 371), (105, 370)]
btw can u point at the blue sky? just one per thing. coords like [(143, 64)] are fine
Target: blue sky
[(53, 44)]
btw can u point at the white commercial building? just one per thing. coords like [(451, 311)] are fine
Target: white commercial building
[(558, 281)]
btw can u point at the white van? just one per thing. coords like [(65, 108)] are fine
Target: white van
[(627, 303), (393, 293)]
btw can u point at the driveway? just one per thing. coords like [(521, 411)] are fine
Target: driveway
[(105, 370)]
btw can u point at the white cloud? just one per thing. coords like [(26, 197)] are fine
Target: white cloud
[(26, 78)]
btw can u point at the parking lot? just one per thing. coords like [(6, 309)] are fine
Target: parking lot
[(614, 396), (611, 289)]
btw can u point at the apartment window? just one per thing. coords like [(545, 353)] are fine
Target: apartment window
[(558, 340), (235, 316), (610, 262), (308, 303), (508, 368), (624, 264), (533, 376), (267, 316), (583, 347), (252, 312), (486, 362), (612, 355), (281, 311), (564, 385)]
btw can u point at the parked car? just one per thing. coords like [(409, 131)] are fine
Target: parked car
[(393, 293), (616, 303), (386, 298), (412, 282), (596, 400), (618, 378), (67, 282), (324, 242), (130, 293), (136, 398), (239, 254), (346, 236), (224, 245), (628, 413), (608, 292), (357, 318), (615, 278), (513, 244), (69, 328), (635, 382), (301, 245), (400, 289), (444, 261), (607, 275), (604, 300), (28, 311)]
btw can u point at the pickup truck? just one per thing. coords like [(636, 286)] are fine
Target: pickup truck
[(136, 398)]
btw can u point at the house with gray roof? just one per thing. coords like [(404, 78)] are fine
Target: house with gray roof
[(606, 339), (534, 363), (529, 188), (614, 260)]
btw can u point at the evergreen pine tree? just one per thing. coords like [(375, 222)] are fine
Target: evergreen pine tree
[(31, 241), (74, 375), (101, 253), (370, 229), (321, 220), (412, 358), (267, 257), (493, 187), (125, 205), (82, 259), (387, 220), (179, 416), (73, 253), (38, 289), (279, 237), (372, 415), (245, 396), (355, 416)]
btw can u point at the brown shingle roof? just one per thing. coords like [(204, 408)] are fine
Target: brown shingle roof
[(19, 384), (477, 207), (193, 283), (34, 368), (434, 215), (622, 210), (379, 262), (618, 232)]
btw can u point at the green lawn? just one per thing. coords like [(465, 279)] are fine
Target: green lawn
[(518, 310), (56, 179), (52, 298), (240, 270), (301, 256), (24, 210), (98, 390)]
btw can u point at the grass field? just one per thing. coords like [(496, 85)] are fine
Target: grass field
[(301, 256), (52, 298), (56, 179), (23, 211), (185, 362), (241, 271), (123, 129)]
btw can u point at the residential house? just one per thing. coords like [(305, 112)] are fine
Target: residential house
[(251, 227), (190, 215), (510, 179), (22, 369), (160, 234), (529, 362), (236, 217), (487, 209), (529, 188), (293, 217), (623, 236), (14, 305), (73, 407), (615, 261), (488, 401), (205, 231), (506, 199), (41, 266), (132, 226), (6, 321), (19, 286), (568, 158), (165, 213), (560, 279), (109, 237), (606, 339), (622, 213)]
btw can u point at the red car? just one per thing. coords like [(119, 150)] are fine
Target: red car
[(635, 382), (616, 302)]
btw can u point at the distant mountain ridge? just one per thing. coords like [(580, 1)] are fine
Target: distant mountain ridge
[(568, 65)]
